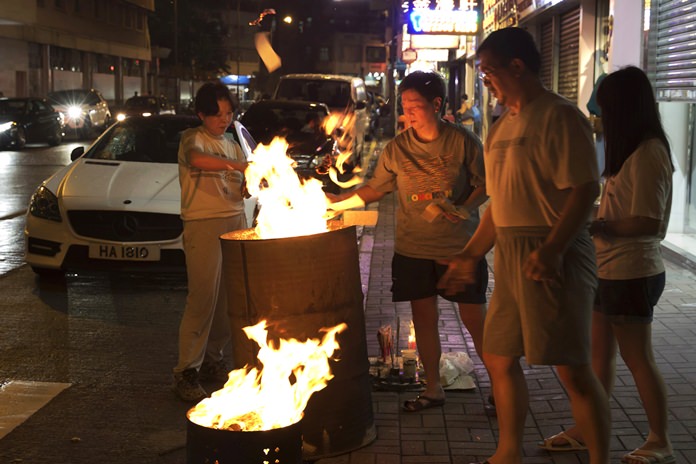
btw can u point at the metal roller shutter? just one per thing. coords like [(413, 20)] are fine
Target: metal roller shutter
[(546, 50), (674, 69), (569, 54)]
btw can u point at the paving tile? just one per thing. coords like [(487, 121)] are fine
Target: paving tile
[(461, 432)]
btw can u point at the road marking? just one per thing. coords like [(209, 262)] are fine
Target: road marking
[(20, 399)]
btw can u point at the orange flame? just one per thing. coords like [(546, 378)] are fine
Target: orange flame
[(339, 126), (290, 207), (275, 397)]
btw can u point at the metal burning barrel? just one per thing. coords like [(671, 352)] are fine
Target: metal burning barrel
[(208, 445), (300, 285)]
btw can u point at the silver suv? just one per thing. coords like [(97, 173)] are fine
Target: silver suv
[(342, 94), (82, 110)]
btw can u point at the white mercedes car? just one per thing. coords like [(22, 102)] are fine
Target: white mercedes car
[(117, 205)]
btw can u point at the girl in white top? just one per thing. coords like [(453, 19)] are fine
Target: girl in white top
[(631, 222)]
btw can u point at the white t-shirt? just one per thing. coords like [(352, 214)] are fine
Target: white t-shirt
[(643, 187), (449, 167), (534, 159), (209, 194)]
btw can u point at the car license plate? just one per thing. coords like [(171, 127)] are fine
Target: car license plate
[(125, 252)]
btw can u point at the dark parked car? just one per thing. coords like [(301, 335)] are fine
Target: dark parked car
[(145, 105), (300, 123), (25, 120)]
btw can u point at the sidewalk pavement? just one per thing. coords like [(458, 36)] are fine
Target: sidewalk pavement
[(462, 432)]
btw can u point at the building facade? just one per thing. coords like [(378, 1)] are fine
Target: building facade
[(48, 45), (580, 40)]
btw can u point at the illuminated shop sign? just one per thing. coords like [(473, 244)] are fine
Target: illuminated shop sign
[(442, 17)]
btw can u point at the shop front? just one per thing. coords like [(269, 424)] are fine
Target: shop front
[(669, 51)]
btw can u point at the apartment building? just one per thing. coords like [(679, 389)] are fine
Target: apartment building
[(48, 45)]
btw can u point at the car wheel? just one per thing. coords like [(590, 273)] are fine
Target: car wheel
[(56, 138), (48, 274), (20, 138)]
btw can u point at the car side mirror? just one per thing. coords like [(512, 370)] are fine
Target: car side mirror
[(76, 153), (361, 105)]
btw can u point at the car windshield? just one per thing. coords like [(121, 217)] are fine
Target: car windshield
[(266, 122), (68, 97), (148, 140), (140, 102), (333, 93), (13, 106)]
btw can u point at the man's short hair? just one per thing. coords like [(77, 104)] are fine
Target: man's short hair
[(510, 43), (427, 83), (208, 95)]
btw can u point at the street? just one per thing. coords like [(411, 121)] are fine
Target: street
[(20, 173), (85, 363), (108, 340)]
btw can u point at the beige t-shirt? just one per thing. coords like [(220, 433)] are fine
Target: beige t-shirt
[(209, 194), (534, 159), (643, 187), (449, 167)]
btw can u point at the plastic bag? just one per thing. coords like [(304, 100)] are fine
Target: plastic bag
[(454, 364)]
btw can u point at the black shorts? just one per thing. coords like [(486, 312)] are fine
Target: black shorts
[(415, 278), (630, 300)]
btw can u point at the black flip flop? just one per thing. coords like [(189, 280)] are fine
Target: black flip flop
[(422, 402)]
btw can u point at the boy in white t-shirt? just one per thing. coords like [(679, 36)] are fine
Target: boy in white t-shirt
[(211, 174)]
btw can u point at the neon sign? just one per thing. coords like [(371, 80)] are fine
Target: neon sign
[(443, 17)]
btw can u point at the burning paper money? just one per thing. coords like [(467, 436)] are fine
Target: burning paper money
[(269, 57)]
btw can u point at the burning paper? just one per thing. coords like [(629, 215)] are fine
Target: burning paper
[(276, 396), (290, 207), (257, 21), (269, 57), (339, 126)]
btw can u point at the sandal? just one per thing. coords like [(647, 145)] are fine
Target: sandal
[(422, 402), (571, 444), (647, 456)]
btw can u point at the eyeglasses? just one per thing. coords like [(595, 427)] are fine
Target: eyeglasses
[(485, 75), (486, 72)]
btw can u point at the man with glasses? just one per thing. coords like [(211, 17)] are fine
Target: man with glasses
[(542, 178)]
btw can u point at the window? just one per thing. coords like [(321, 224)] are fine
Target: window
[(106, 64), (324, 54), (139, 20), (128, 17), (100, 10), (375, 54), (84, 7), (114, 14), (65, 59), (34, 56), (40, 107)]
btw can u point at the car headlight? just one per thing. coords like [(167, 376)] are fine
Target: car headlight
[(147, 115), (75, 112), (120, 117), (44, 205), (5, 126)]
